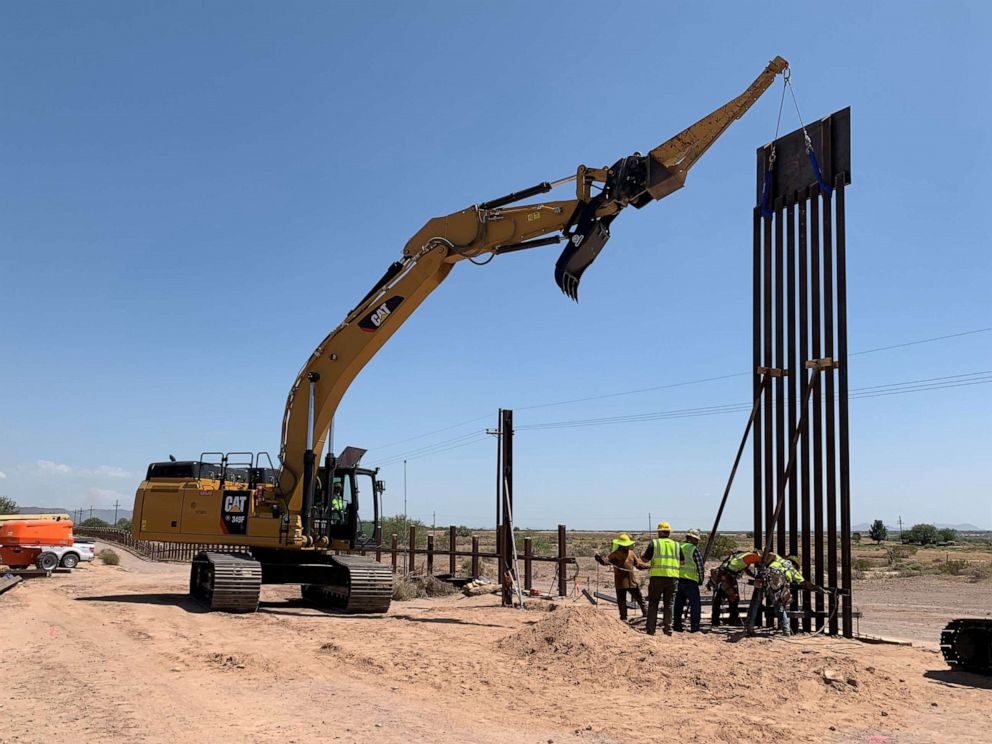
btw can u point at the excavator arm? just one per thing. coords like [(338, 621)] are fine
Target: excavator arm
[(477, 234)]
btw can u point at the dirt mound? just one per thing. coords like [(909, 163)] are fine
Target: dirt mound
[(577, 632), (591, 643), (588, 645)]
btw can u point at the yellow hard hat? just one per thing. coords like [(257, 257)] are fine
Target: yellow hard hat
[(624, 540), (664, 527)]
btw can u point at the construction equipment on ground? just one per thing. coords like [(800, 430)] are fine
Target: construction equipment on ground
[(34, 542), (292, 523), (967, 644)]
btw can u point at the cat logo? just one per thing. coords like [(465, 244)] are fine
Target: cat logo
[(234, 513), (371, 322), (235, 504)]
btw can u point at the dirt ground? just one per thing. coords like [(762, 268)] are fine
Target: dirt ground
[(120, 654)]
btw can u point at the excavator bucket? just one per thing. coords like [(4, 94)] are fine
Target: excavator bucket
[(578, 256)]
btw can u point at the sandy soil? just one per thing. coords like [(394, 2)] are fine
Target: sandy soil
[(120, 654)]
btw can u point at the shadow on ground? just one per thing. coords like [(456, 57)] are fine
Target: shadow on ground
[(953, 678), (443, 621), (183, 601)]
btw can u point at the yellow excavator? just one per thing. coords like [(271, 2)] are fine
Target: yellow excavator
[(295, 524)]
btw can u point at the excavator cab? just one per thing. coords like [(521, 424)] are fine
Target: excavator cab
[(344, 494)]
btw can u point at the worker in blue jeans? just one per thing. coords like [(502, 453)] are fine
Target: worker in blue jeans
[(690, 577)]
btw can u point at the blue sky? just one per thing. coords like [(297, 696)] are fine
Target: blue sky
[(193, 194)]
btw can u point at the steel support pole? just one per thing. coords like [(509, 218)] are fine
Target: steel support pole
[(780, 435), (803, 384), (768, 361), (733, 470), (845, 465), (830, 467), (506, 567), (814, 250), (790, 301), (757, 381)]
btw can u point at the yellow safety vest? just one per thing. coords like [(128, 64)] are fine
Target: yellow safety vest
[(664, 558), (688, 568)]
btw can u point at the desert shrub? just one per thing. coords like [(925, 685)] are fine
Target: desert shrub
[(952, 567), (109, 557), (911, 568), (414, 587), (541, 543), (861, 564), (723, 545), (897, 553), (981, 571), (400, 526), (94, 522)]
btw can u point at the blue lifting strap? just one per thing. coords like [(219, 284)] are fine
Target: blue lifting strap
[(765, 210), (824, 188)]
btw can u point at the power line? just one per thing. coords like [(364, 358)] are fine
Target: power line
[(875, 391), (685, 383)]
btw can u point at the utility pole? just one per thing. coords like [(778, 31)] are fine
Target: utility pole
[(91, 511), (649, 523), (404, 491), (900, 529), (116, 504)]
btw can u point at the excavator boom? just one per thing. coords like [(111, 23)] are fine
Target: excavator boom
[(290, 525), (479, 232)]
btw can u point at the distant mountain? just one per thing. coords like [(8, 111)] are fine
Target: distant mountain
[(107, 515)]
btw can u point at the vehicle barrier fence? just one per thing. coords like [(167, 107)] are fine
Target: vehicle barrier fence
[(402, 557)]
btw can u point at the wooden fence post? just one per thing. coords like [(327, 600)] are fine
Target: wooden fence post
[(452, 539), (562, 562), (412, 562), (475, 556), (528, 555), (394, 546), (430, 555), (499, 553)]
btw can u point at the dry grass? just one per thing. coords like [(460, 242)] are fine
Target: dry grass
[(415, 587)]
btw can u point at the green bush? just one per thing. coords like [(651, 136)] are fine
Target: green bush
[(109, 557), (400, 526), (947, 535), (922, 534), (897, 553), (541, 544), (94, 522), (861, 564), (723, 546), (952, 567)]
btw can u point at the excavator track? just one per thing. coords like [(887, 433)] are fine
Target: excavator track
[(366, 587), (967, 644), (226, 582)]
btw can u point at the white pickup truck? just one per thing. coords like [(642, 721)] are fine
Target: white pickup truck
[(67, 557)]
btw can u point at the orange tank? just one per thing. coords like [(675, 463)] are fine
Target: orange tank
[(36, 532), (23, 540)]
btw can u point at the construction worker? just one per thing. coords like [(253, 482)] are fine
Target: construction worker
[(337, 503), (690, 577), (777, 576), (723, 582), (624, 561), (663, 556)]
